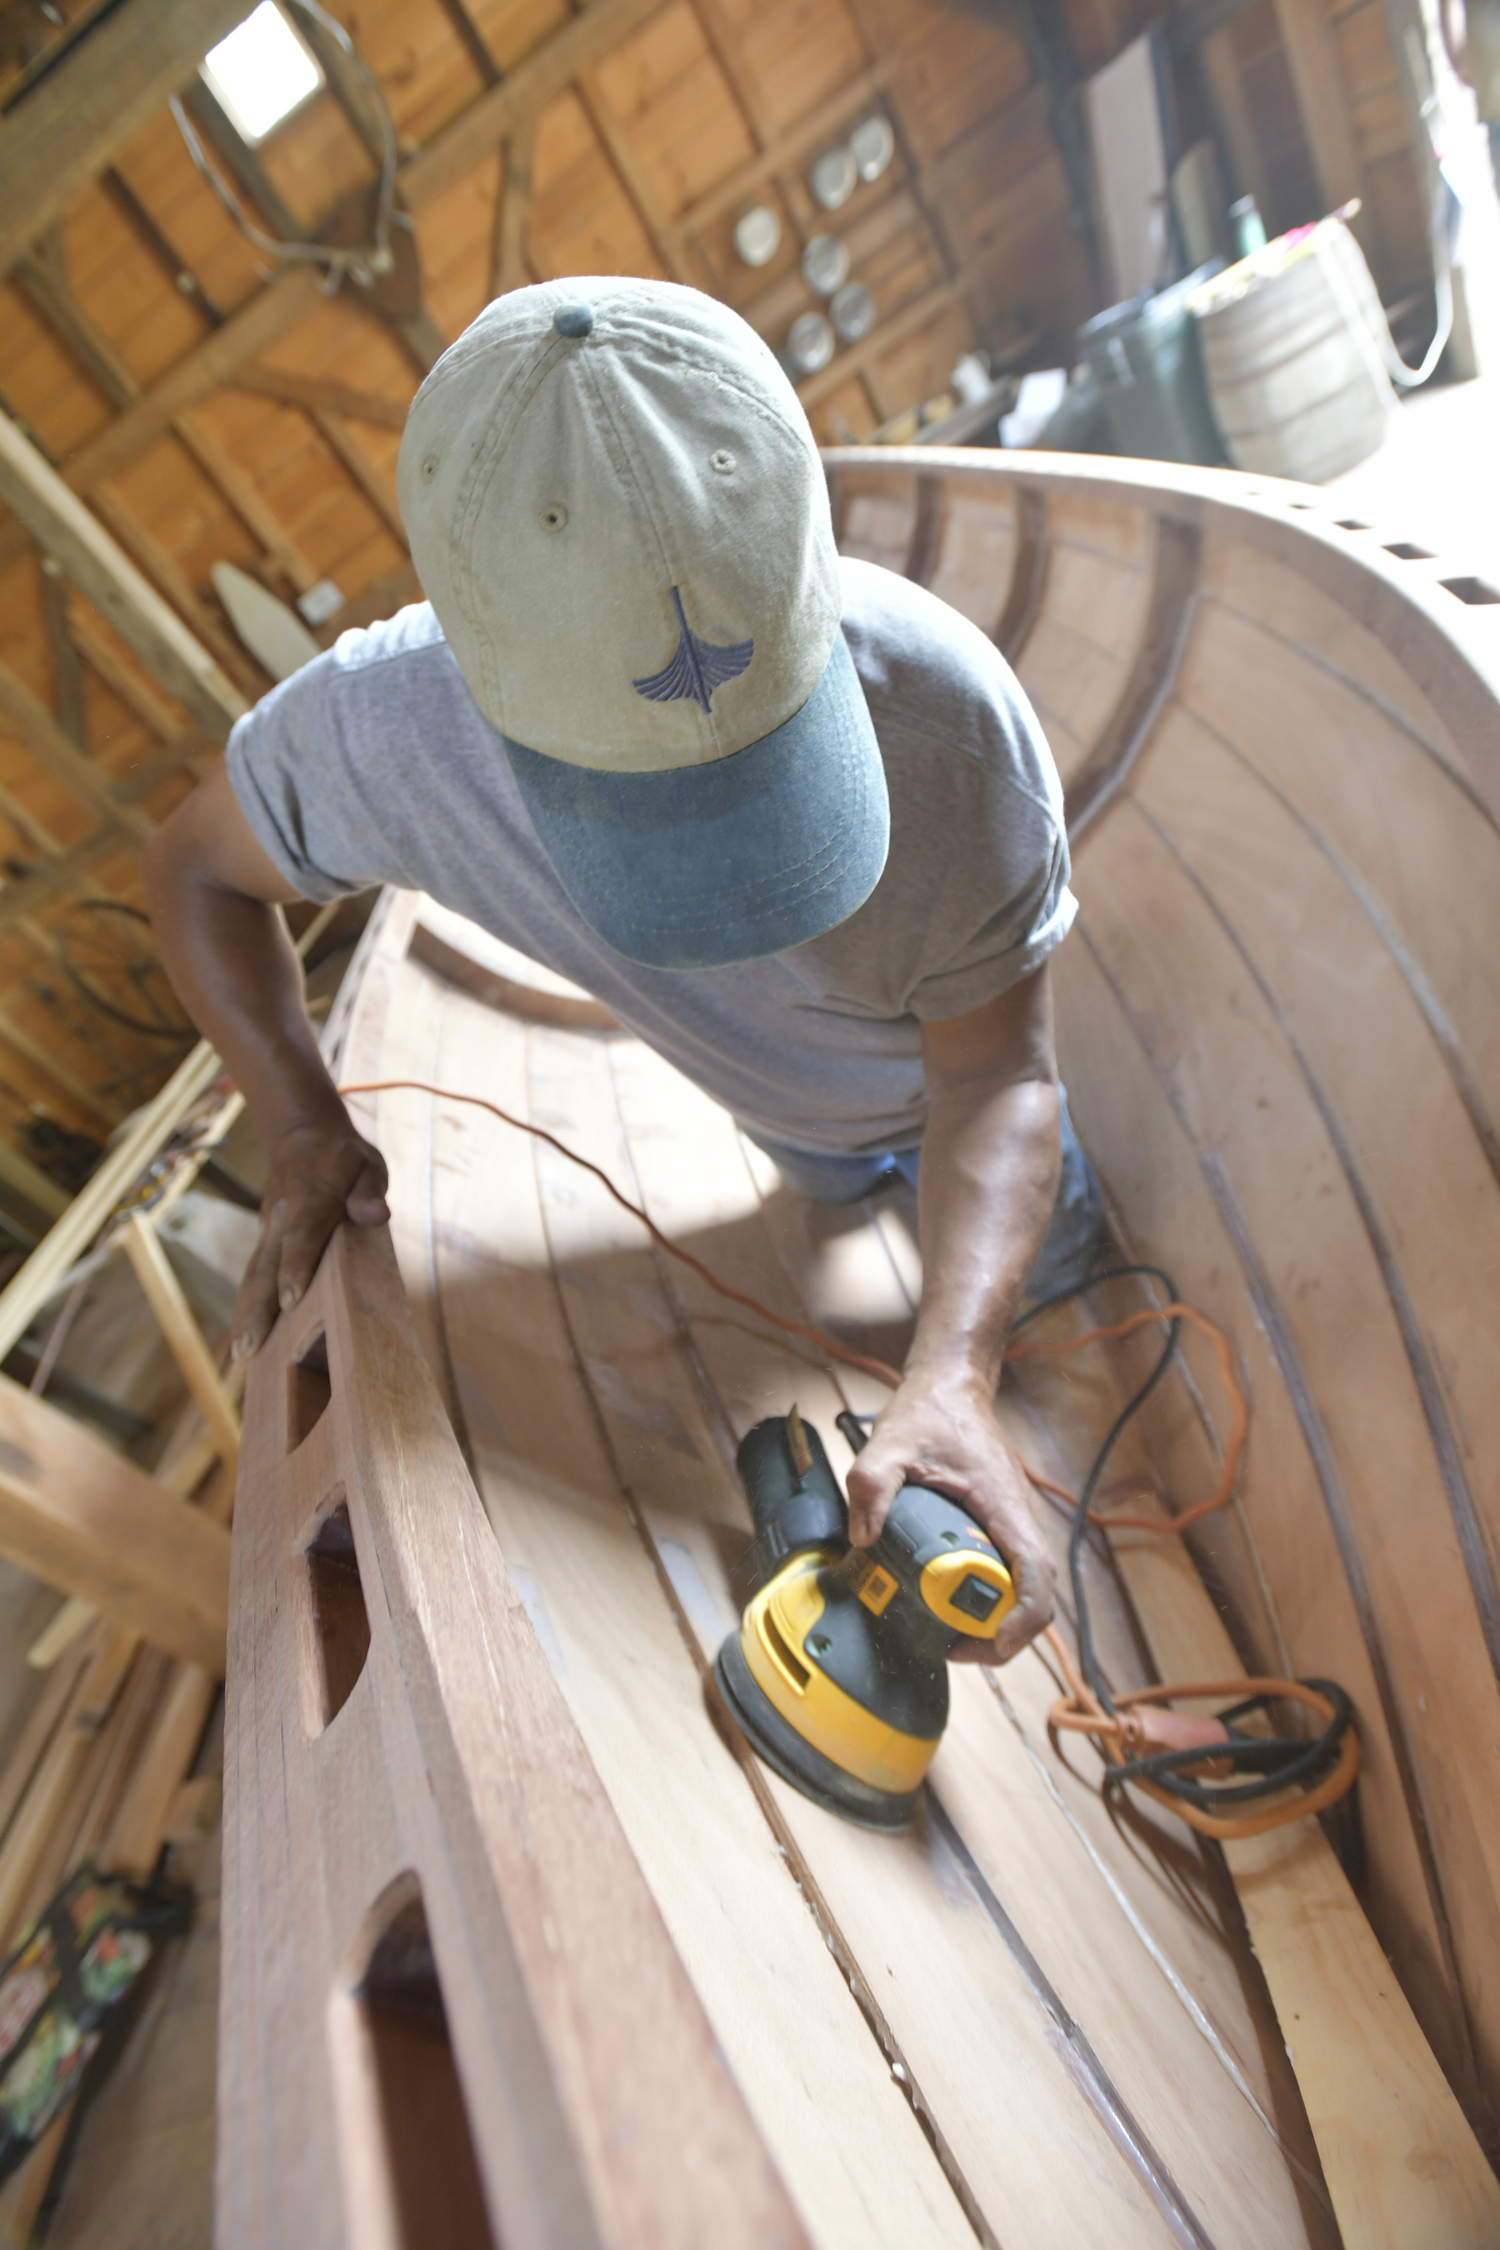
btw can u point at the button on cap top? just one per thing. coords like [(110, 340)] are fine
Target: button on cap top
[(573, 320)]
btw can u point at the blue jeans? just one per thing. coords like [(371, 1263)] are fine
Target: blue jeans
[(1069, 1247)]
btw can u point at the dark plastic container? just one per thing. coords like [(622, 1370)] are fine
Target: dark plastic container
[(1144, 357)]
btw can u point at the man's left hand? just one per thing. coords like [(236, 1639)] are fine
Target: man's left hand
[(945, 1434)]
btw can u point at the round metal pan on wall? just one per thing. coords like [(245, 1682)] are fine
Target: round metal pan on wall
[(825, 264), (853, 312), (872, 144), (833, 179), (811, 344), (757, 234)]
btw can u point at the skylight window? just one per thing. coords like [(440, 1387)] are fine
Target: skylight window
[(261, 72)]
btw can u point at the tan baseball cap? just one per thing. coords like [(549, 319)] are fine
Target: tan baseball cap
[(617, 511)]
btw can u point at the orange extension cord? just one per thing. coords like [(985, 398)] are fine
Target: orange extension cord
[(1122, 1735)]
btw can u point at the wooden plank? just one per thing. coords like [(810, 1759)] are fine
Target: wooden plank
[(64, 529), (1401, 2162), (81, 1518), (665, 235), (582, 2132), (372, 482), (219, 464), (513, 218), (284, 301), (292, 389), (97, 98), (174, 1316)]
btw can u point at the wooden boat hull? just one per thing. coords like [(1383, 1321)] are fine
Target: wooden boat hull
[(1025, 2020)]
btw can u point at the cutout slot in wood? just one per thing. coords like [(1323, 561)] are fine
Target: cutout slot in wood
[(309, 1388), (404, 2123), (336, 1635)]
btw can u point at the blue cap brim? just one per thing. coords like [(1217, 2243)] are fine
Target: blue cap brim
[(730, 861)]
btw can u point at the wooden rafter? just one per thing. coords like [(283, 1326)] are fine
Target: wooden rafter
[(44, 504), (513, 216), (372, 481), (93, 101), (321, 391)]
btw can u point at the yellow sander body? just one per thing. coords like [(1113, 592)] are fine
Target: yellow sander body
[(839, 1672)]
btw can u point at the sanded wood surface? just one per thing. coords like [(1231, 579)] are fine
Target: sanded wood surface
[(1045, 2037)]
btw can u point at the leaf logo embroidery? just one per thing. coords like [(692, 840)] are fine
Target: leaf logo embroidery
[(697, 668)]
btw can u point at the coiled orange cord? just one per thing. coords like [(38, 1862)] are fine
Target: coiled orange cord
[(1120, 1736)]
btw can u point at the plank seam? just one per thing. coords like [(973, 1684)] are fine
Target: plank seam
[(1439, 1023), (1335, 1500), (1466, 1523), (1196, 2014), (1105, 2096), (1389, 711), (797, 1869)]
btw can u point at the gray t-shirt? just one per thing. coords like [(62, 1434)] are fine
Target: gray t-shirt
[(374, 765)]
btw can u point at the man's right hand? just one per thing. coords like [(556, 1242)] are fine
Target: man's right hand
[(321, 1174)]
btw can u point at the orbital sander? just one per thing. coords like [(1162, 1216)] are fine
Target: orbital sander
[(839, 1671)]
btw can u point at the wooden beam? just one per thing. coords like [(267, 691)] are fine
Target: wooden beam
[(282, 304), (600, 2108), (322, 390), (221, 468), (67, 127), (67, 669), (373, 483), (176, 268), (22, 714), (728, 49), (137, 690), (174, 1316), (82, 1518), (203, 618), (65, 529), (44, 282), (513, 218), (473, 44)]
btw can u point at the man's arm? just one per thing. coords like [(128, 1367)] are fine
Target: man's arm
[(989, 1176), (213, 895)]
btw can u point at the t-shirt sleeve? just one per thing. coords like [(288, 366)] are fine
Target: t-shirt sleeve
[(1013, 940), (306, 769)]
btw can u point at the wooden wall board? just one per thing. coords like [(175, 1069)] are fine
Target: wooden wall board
[(800, 55), (673, 96)]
